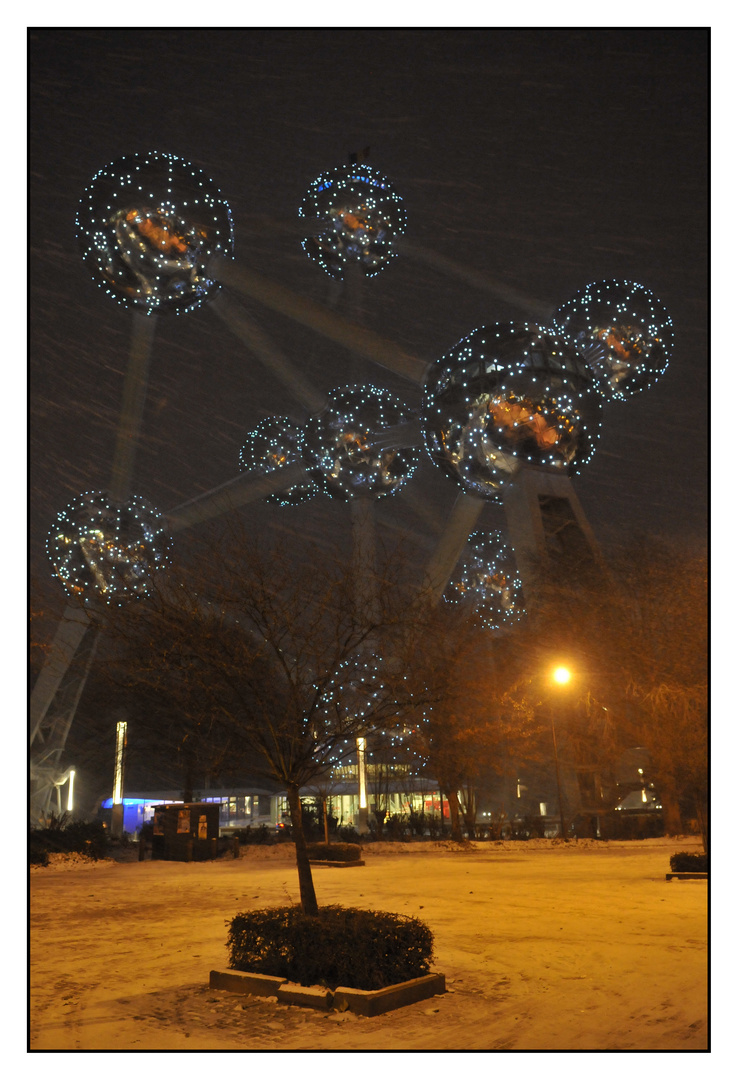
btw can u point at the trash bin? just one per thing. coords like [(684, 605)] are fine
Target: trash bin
[(184, 832)]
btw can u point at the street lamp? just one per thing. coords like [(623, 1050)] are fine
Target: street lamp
[(561, 676), (116, 821)]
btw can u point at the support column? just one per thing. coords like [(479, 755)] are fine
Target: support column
[(547, 527)]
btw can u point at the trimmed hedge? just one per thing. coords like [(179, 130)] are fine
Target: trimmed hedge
[(688, 862), (334, 852), (366, 950)]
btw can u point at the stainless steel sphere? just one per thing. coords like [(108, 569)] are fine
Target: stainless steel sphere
[(273, 444), (363, 217), (507, 395), (99, 550), (344, 449), (624, 333), (148, 225), (488, 579)]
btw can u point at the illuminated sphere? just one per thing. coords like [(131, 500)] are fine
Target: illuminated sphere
[(274, 444), (506, 395), (361, 690), (488, 578), (356, 689), (149, 224), (343, 449), (624, 333), (102, 551), (363, 216)]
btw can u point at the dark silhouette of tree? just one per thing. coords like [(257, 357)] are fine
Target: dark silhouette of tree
[(637, 646), (270, 659), (478, 712)]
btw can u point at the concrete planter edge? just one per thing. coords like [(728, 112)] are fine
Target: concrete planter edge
[(344, 998)]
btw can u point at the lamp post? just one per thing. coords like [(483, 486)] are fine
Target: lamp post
[(561, 676), (363, 821), (116, 822)]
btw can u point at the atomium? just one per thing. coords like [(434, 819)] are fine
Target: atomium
[(345, 450), (273, 444), (505, 395), (360, 688), (363, 215), (624, 333), (99, 550), (148, 225), (487, 577), (354, 690)]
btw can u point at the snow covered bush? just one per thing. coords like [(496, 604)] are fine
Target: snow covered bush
[(688, 862), (334, 852), (366, 950), (64, 834)]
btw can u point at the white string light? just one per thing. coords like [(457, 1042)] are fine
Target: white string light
[(509, 393), (339, 450), (363, 216), (488, 578), (624, 333), (274, 444), (148, 225), (99, 549)]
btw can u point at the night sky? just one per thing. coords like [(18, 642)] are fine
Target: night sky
[(542, 159)]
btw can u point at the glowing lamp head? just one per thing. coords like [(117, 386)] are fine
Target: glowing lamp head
[(561, 676)]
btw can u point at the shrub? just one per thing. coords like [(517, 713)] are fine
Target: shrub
[(366, 950), (87, 837), (65, 835), (38, 852), (616, 825), (396, 827), (348, 834), (334, 852), (435, 826), (688, 862), (254, 835)]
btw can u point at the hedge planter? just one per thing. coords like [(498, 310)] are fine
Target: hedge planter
[(334, 855), (376, 1002), (344, 958), (686, 865), (339, 865), (342, 999)]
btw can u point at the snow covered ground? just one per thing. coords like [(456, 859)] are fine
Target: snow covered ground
[(545, 946)]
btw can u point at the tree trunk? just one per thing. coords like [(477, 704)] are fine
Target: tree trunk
[(703, 820), (308, 900), (469, 811), (189, 777), (670, 803), (325, 821), (454, 811)]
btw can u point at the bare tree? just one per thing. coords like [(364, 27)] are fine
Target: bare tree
[(638, 644), (477, 707), (273, 656)]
